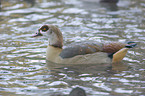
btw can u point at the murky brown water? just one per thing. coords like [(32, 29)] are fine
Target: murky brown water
[(24, 71)]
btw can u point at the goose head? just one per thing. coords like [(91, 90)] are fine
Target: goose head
[(54, 35)]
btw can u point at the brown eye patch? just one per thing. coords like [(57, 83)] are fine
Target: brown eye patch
[(44, 28)]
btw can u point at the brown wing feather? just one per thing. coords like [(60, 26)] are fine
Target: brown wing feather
[(113, 47)]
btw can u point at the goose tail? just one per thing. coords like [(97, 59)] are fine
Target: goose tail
[(130, 44)]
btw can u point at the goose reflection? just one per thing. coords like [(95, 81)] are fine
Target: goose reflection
[(93, 69), (109, 1), (79, 74), (110, 5), (32, 2)]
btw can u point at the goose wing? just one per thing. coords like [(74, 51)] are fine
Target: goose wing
[(113, 47), (81, 49)]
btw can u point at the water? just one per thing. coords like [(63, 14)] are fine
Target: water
[(24, 70)]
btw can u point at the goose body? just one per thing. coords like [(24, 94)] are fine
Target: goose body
[(53, 55), (90, 52)]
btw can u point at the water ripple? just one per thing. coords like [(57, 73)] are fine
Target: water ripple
[(24, 70)]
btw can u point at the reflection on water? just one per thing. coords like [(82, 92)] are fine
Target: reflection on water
[(93, 5), (24, 70)]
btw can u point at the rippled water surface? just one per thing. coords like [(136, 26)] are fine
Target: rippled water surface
[(24, 70)]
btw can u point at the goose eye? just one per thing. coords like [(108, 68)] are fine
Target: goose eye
[(44, 28)]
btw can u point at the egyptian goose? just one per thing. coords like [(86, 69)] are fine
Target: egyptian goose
[(81, 53)]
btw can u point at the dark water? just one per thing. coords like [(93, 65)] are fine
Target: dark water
[(24, 70)]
